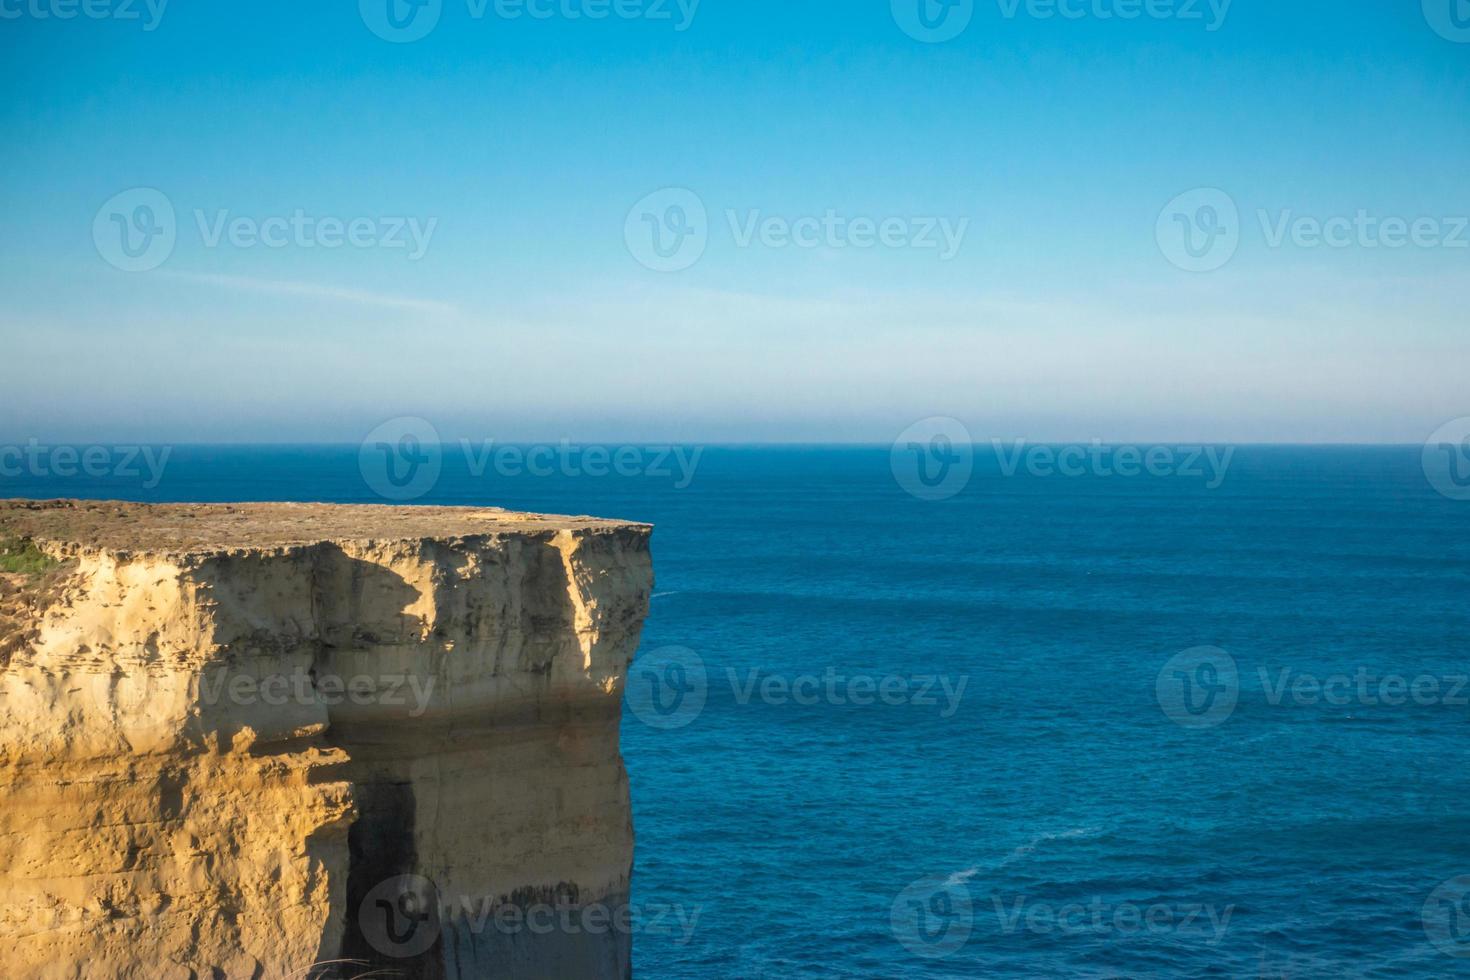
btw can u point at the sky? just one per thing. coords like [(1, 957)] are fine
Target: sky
[(734, 220)]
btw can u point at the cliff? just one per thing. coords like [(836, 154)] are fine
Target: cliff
[(303, 740)]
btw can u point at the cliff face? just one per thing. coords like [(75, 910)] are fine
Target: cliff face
[(250, 740)]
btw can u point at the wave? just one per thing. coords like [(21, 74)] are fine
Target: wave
[(1020, 853)]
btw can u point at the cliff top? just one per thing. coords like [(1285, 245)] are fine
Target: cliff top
[(209, 528)]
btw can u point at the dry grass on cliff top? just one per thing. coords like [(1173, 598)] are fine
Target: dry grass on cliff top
[(207, 529)]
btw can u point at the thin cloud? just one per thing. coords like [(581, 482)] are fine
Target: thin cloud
[(318, 291)]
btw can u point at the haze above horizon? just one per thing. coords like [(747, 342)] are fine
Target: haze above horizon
[(717, 222)]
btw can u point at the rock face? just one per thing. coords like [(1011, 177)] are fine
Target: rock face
[(288, 740)]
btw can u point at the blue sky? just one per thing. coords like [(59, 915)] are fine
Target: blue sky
[(1060, 152)]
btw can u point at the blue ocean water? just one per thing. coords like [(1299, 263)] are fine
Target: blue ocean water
[(1047, 789)]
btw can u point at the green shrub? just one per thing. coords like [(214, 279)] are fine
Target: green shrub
[(21, 556)]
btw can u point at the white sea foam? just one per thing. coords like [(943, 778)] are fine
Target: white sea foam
[(1027, 848), (960, 877)]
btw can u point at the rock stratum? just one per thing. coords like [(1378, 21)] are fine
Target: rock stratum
[(308, 741)]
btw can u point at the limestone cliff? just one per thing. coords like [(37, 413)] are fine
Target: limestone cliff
[(292, 740)]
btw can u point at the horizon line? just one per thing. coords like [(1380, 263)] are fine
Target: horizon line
[(731, 444)]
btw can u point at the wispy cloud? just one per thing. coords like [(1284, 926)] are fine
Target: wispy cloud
[(319, 291)]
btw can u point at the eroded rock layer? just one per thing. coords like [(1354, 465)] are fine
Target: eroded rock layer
[(290, 740)]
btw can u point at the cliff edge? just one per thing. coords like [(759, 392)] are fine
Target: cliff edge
[(310, 740)]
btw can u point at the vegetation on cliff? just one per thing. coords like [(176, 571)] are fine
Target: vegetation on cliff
[(20, 556), (27, 578)]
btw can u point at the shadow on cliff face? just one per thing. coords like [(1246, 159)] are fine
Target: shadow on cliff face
[(517, 608), (359, 603), (389, 927), (514, 599), (392, 922), (282, 624)]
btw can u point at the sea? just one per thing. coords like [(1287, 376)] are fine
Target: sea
[(1116, 712)]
